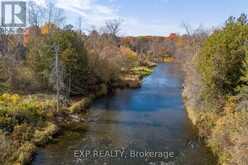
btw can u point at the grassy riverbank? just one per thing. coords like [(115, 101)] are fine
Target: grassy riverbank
[(87, 67), (26, 122), (224, 133), (29, 121), (215, 89)]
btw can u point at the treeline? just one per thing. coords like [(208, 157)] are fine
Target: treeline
[(84, 60), (152, 48), (51, 73), (216, 87), (48, 60)]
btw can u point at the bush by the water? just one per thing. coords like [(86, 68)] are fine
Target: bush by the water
[(20, 119), (215, 90)]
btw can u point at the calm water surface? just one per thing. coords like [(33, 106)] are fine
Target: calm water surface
[(150, 119)]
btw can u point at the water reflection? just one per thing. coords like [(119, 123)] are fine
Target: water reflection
[(151, 118)]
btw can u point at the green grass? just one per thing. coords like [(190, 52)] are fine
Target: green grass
[(142, 71)]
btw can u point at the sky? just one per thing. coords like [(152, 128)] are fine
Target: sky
[(151, 17)]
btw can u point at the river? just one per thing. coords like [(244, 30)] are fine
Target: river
[(141, 126)]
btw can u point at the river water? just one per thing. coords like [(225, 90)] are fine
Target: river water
[(134, 127)]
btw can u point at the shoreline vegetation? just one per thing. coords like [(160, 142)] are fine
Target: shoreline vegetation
[(48, 60), (21, 144), (215, 88)]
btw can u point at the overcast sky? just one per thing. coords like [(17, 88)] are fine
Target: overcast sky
[(151, 17)]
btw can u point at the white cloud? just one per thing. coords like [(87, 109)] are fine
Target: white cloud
[(134, 26), (91, 12), (79, 5), (95, 14)]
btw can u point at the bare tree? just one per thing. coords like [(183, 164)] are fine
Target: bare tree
[(195, 36), (4, 40), (187, 28), (186, 54), (112, 29), (8, 56)]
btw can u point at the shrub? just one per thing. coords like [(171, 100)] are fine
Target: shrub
[(15, 109), (23, 121), (80, 106), (229, 138), (130, 57), (221, 58)]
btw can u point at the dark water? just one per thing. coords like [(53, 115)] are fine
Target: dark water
[(132, 122)]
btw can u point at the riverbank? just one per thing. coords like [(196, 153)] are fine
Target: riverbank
[(119, 121), (224, 133), (28, 122)]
